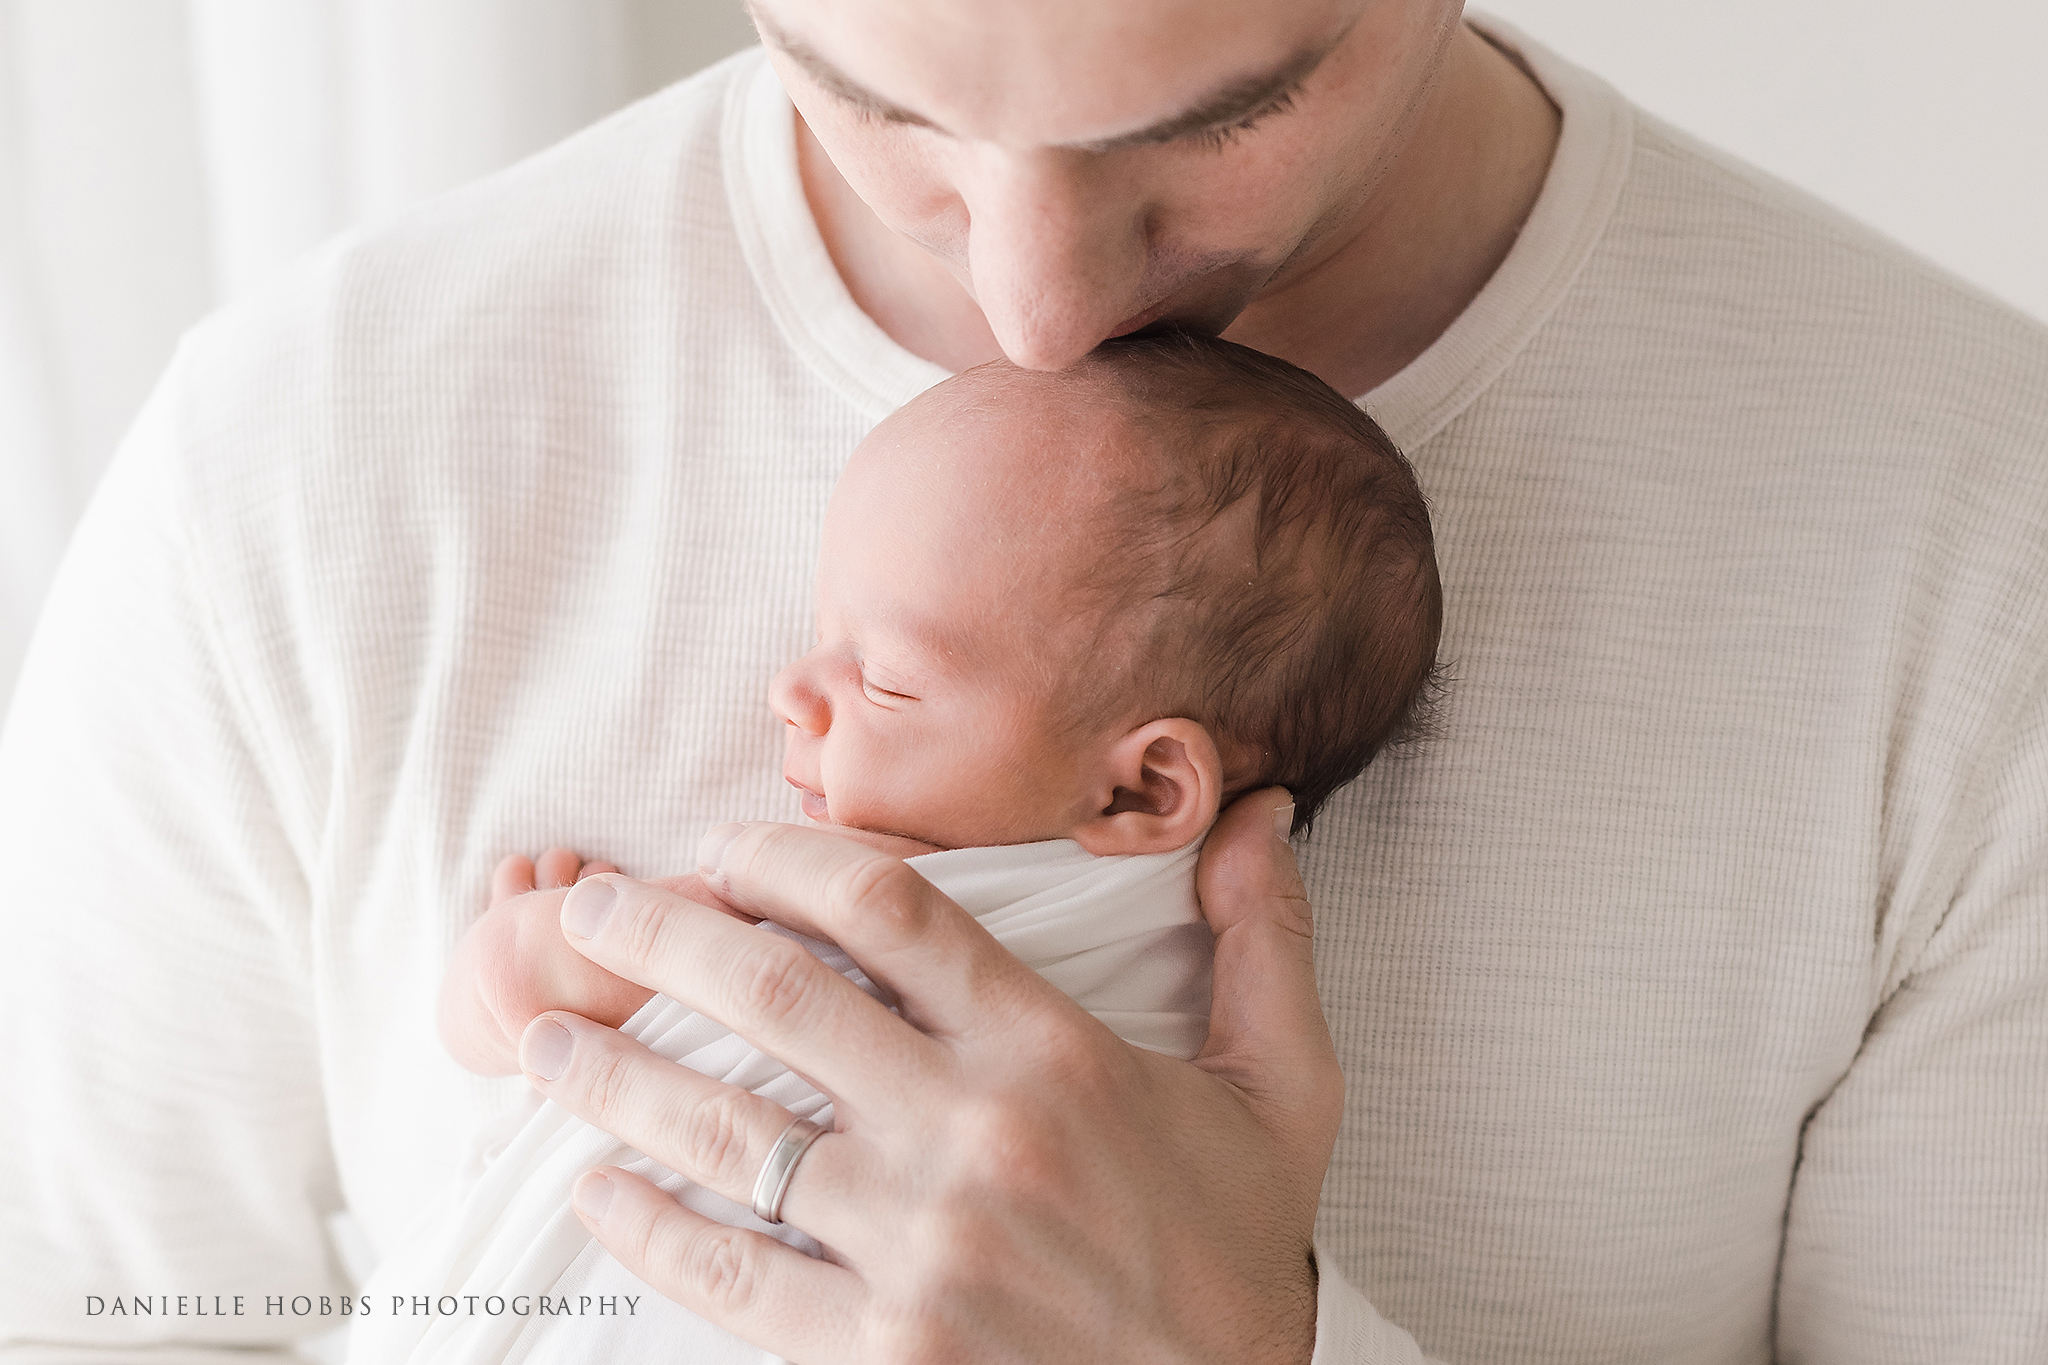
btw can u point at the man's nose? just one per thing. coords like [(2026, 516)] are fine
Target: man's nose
[(1056, 248), (796, 698)]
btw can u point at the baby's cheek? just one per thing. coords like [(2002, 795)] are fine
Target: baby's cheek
[(900, 798)]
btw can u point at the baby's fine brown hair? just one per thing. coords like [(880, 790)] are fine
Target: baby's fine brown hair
[(1316, 649)]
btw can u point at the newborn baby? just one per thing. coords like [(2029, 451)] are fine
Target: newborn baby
[(1063, 619)]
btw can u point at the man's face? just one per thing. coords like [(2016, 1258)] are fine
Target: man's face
[(1086, 167)]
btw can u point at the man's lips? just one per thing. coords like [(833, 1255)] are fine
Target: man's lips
[(1144, 319)]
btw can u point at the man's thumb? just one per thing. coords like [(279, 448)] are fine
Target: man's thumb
[(1267, 1034)]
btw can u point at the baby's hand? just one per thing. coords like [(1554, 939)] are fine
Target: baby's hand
[(514, 964), (557, 870)]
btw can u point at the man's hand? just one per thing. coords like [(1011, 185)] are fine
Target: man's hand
[(1007, 1179)]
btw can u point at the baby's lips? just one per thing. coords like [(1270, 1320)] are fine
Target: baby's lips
[(815, 808)]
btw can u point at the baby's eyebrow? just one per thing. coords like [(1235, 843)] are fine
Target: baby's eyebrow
[(884, 656)]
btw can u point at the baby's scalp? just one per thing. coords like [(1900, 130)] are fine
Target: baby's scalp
[(1233, 542)]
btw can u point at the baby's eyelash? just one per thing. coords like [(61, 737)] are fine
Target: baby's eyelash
[(1218, 138), (876, 692)]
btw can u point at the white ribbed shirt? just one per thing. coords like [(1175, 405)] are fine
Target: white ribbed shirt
[(1692, 985)]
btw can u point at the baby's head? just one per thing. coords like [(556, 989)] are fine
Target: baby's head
[(1099, 603)]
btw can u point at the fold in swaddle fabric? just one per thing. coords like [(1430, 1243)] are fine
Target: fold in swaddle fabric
[(1121, 935)]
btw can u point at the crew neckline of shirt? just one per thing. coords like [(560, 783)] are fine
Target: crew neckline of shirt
[(864, 365), (809, 302)]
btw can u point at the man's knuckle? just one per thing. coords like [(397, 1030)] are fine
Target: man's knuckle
[(996, 1125), (726, 1268), (774, 982), (1076, 1053), (887, 898), (1009, 1151), (639, 929), (606, 1080), (715, 1135), (1084, 1057)]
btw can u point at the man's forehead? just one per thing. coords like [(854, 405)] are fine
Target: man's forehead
[(1061, 72)]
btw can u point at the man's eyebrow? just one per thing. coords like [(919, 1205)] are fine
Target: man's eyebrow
[(1233, 103), (830, 76)]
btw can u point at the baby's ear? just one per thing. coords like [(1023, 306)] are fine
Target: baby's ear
[(1165, 784)]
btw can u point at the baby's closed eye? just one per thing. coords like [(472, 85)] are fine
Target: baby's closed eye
[(882, 695)]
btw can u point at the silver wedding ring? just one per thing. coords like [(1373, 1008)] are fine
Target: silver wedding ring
[(773, 1183)]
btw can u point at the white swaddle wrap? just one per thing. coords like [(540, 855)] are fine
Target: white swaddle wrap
[(1120, 935)]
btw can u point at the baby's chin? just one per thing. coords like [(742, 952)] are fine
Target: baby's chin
[(895, 845), (818, 813)]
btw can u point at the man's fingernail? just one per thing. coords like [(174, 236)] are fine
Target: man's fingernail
[(544, 1049), (1283, 821), (588, 905), (711, 852), (593, 1195)]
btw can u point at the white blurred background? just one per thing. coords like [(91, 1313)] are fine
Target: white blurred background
[(160, 156)]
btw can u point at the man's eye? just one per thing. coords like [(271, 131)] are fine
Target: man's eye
[(1221, 137)]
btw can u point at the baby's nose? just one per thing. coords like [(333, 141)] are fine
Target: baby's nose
[(798, 701)]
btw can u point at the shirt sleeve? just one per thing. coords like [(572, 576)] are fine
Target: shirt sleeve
[(165, 1133), (1918, 1223), (1349, 1331)]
